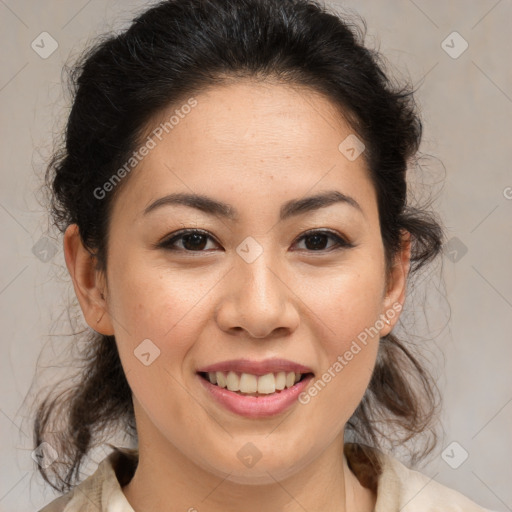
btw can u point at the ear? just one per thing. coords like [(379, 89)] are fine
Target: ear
[(89, 283), (397, 284)]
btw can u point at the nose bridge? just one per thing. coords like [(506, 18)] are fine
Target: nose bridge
[(258, 301), (258, 266)]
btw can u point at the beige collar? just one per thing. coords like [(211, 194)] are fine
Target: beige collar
[(398, 487)]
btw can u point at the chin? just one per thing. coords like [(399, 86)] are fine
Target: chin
[(259, 471)]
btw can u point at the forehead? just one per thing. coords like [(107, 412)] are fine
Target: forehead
[(254, 113), (248, 138)]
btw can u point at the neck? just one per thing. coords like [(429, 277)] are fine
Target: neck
[(165, 476)]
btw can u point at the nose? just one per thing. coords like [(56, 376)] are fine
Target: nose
[(258, 299)]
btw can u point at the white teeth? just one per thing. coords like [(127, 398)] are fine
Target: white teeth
[(221, 379), (267, 384), (280, 381), (248, 383), (233, 381)]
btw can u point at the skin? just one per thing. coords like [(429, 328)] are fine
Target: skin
[(254, 146)]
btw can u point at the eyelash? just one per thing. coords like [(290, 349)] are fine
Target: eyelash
[(167, 244)]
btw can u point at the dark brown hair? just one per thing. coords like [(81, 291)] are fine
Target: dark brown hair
[(176, 49)]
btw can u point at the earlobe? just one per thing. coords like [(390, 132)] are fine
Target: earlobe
[(88, 282), (397, 284)]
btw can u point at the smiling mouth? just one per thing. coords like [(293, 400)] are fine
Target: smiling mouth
[(253, 385)]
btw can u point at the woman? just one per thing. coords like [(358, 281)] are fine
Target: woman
[(232, 193)]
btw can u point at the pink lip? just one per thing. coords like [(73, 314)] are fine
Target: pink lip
[(256, 406), (256, 367)]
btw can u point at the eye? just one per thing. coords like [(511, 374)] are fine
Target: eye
[(318, 238), (195, 240)]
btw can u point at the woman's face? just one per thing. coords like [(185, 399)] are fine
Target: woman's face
[(269, 282)]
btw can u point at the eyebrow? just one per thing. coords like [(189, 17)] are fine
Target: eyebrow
[(289, 209)]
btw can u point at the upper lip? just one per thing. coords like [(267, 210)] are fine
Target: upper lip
[(256, 367)]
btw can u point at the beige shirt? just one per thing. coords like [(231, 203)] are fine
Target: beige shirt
[(398, 488)]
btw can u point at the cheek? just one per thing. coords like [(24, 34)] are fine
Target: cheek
[(167, 309), (157, 316), (344, 301), (153, 301), (348, 308)]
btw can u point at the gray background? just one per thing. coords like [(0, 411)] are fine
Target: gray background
[(467, 110)]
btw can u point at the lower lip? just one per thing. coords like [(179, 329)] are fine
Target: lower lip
[(256, 406)]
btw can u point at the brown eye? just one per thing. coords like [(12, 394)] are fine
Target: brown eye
[(194, 241), (318, 240), (191, 241)]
